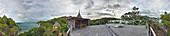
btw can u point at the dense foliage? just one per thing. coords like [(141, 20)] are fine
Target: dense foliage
[(101, 21), (134, 18), (8, 27), (168, 33), (46, 28), (166, 20), (134, 15), (110, 18), (97, 22), (120, 26)]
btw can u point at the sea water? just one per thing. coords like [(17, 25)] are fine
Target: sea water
[(25, 26)]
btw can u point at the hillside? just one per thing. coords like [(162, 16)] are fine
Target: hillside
[(8, 27)]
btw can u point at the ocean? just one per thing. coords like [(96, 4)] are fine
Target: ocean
[(25, 26)]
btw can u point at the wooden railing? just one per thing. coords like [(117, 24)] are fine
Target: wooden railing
[(67, 32), (153, 32)]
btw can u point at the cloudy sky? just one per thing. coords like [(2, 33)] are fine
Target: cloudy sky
[(36, 10)]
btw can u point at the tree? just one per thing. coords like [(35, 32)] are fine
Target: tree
[(64, 23), (8, 26), (133, 15), (166, 20), (53, 21), (4, 17), (165, 13), (1, 20), (135, 8)]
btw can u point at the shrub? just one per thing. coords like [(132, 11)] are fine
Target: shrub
[(111, 22), (157, 27), (135, 23), (130, 23), (168, 33), (123, 22), (120, 26), (143, 24), (116, 22), (146, 27)]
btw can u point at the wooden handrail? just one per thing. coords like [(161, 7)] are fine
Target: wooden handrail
[(153, 32), (67, 32)]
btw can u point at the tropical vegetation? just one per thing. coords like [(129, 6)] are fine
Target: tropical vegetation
[(46, 28), (134, 17), (166, 21), (120, 26), (101, 21), (8, 27)]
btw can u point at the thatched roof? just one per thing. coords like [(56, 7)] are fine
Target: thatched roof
[(57, 24)]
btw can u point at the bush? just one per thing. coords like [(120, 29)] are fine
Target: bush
[(111, 22), (146, 27), (157, 27), (168, 33), (116, 22), (120, 26), (135, 23), (8, 26), (123, 22), (143, 24), (130, 23)]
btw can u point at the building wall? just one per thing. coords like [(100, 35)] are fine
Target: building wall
[(78, 23), (71, 23), (85, 23)]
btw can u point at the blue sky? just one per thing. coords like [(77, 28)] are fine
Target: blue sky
[(37, 10)]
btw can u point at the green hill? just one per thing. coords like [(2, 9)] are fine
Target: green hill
[(8, 27)]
